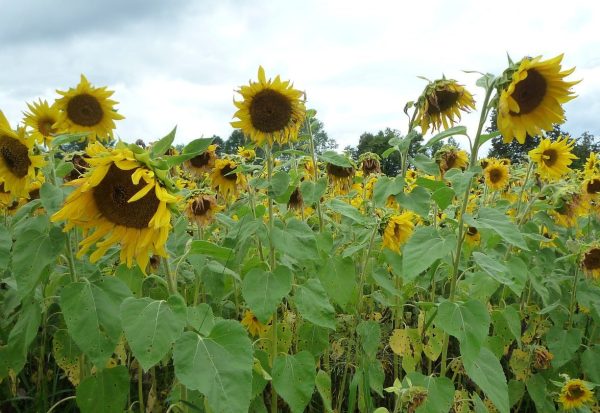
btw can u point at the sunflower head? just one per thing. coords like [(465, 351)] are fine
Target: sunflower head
[(247, 153), (41, 118), (441, 104), (496, 174), (591, 262), (531, 96), (340, 176), (296, 200), (542, 358), (472, 236), (449, 157), (224, 179), (398, 230), (202, 163), (370, 163), (251, 323), (592, 165), (575, 393), (201, 209), (553, 158), (87, 109), (271, 110)]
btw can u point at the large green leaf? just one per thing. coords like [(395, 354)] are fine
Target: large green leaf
[(418, 200), (152, 326), (14, 355), (294, 379), (5, 246), (486, 371), (469, 322), (160, 148), (219, 366), (498, 222), (313, 338), (440, 392), (385, 187), (296, 240), (423, 248), (370, 336), (91, 311), (323, 382), (279, 183), (52, 197), (347, 210), (456, 130), (211, 249), (313, 304), (38, 244), (538, 391), (201, 318), (499, 272), (338, 278), (104, 392), (264, 290), (335, 158), (563, 344), (443, 197), (590, 362), (313, 191)]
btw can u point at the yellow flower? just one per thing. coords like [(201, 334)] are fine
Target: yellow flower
[(369, 163), (449, 157), (252, 324), (271, 110), (553, 158), (340, 177), (591, 262), (398, 230), (472, 236), (41, 119), (224, 180), (201, 209), (87, 109), (247, 153), (496, 174), (592, 165), (441, 103), (202, 163), (119, 199), (575, 393), (591, 186), (533, 99), (17, 162), (549, 242)]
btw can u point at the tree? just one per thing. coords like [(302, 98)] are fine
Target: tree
[(322, 140), (378, 144), (235, 140)]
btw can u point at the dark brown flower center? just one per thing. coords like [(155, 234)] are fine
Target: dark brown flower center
[(200, 160), (226, 172), (84, 110), (591, 260), (575, 392), (45, 126), (441, 101), (112, 194), (201, 206), (296, 199), (593, 186), (549, 157), (15, 156), (339, 171), (529, 92), (270, 111), (496, 175), (370, 166), (472, 231)]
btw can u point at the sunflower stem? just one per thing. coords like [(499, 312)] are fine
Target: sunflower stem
[(140, 388), (573, 296), (315, 169), (70, 258), (171, 277)]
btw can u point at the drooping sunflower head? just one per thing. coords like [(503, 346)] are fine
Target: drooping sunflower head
[(202, 163), (569, 207), (441, 104), (247, 153), (271, 110), (224, 180), (296, 200), (591, 186), (87, 109), (592, 165), (251, 323), (542, 358), (449, 157), (370, 163), (41, 118), (575, 393), (496, 174), (531, 97), (472, 236), (17, 162), (121, 201), (553, 158), (201, 209), (80, 166), (398, 230), (308, 168), (591, 262), (340, 176)]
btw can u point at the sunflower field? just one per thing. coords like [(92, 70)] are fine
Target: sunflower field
[(142, 278)]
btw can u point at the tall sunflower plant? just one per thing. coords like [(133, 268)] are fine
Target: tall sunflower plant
[(147, 279)]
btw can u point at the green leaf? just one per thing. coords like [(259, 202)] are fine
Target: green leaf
[(516, 390), (590, 362), (388, 152), (469, 322), (152, 326), (296, 240), (457, 130), (14, 355), (417, 200), (162, 146), (52, 197), (294, 379), (440, 392), (385, 187), (132, 277), (219, 366), (423, 248), (498, 222), (313, 191), (38, 244), (335, 158), (323, 382), (497, 271), (430, 184), (104, 392), (460, 179), (536, 387), (426, 164), (5, 247), (201, 318), (211, 249), (487, 136), (279, 183), (485, 370), (67, 138), (513, 321), (347, 210), (338, 278), (370, 335), (313, 304), (443, 197), (563, 344), (263, 290), (91, 311), (313, 338)]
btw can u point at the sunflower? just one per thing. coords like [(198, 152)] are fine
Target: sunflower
[(296, 200), (247, 153), (472, 236), (201, 209), (370, 163), (549, 238), (87, 109), (441, 103), (202, 163), (272, 110), (340, 176), (6, 198), (591, 262), (532, 100), (575, 393), (569, 209), (41, 119), (398, 230), (17, 162), (252, 324), (591, 186), (449, 157), (542, 358), (121, 200), (224, 180), (553, 158), (592, 165), (496, 174)]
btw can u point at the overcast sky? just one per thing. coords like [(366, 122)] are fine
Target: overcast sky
[(179, 62)]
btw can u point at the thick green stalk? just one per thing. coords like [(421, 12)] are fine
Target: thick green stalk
[(316, 170)]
